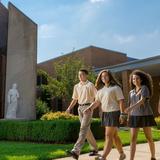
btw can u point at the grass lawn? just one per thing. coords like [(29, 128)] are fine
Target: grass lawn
[(34, 151)]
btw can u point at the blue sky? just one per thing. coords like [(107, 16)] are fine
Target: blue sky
[(129, 26)]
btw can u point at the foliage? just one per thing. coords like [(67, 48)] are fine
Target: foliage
[(55, 131), (41, 108), (61, 84), (58, 115), (67, 73), (52, 88), (157, 119)]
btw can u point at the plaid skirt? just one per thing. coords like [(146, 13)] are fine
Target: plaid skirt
[(141, 121), (111, 119)]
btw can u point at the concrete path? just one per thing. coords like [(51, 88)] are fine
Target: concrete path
[(142, 153)]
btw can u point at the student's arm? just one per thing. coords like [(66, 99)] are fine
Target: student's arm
[(120, 98), (94, 105), (74, 100), (139, 103), (72, 104), (145, 94), (123, 115), (121, 105)]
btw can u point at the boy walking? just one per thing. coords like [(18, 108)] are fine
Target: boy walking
[(84, 93)]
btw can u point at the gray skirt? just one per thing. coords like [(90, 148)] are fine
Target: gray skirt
[(141, 121), (111, 119)]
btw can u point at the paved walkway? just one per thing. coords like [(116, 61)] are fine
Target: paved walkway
[(142, 153)]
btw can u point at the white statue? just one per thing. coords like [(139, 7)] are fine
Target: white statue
[(13, 96)]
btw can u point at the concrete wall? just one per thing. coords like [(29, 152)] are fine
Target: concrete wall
[(3, 51), (3, 28), (22, 60)]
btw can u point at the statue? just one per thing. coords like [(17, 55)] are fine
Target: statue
[(13, 96)]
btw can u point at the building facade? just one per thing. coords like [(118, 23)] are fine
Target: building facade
[(93, 56), (18, 61), (118, 63)]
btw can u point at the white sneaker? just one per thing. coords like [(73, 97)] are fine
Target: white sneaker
[(99, 158)]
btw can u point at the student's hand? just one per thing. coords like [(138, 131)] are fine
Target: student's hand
[(121, 121), (87, 110), (123, 118), (68, 110), (128, 110)]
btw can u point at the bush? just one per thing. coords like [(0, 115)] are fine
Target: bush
[(41, 108), (57, 131), (58, 115), (157, 119)]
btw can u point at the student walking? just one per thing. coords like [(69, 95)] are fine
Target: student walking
[(111, 100), (140, 111), (84, 92)]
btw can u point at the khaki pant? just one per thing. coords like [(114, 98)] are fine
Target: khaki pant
[(85, 131)]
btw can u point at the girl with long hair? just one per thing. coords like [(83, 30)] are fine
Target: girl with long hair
[(139, 110), (110, 97)]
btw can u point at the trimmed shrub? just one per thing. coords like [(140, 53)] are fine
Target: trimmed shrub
[(157, 119), (97, 129), (57, 131), (58, 115)]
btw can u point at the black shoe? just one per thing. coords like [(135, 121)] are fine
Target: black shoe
[(93, 153), (73, 154), (153, 159)]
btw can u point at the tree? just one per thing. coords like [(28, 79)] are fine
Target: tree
[(49, 87), (66, 76), (66, 72)]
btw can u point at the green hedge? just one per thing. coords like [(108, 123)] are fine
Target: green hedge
[(57, 131)]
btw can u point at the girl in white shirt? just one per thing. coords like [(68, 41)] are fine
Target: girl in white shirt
[(111, 100)]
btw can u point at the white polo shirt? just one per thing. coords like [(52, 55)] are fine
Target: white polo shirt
[(84, 92), (109, 98)]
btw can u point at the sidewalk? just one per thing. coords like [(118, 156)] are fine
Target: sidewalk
[(142, 153)]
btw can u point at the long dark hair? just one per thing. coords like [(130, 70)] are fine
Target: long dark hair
[(146, 80), (99, 84)]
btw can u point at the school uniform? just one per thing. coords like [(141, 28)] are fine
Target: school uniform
[(141, 116), (109, 98), (84, 93)]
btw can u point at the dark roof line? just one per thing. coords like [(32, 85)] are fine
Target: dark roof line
[(91, 46), (130, 62)]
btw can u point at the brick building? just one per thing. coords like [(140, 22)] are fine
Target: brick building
[(118, 63), (93, 56)]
